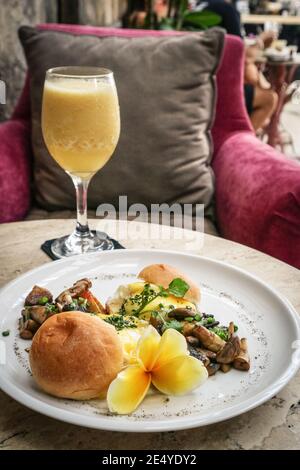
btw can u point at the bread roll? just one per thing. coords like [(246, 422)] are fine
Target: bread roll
[(163, 274), (75, 355)]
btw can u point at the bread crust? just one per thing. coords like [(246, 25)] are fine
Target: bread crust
[(163, 274), (75, 355)]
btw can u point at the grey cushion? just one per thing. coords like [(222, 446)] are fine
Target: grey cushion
[(167, 97)]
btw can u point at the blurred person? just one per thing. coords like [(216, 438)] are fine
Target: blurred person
[(231, 20), (260, 99)]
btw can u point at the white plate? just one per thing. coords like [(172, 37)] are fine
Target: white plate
[(269, 322)]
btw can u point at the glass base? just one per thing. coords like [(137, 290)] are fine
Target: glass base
[(73, 244)]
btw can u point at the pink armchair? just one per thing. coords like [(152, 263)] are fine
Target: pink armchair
[(257, 189)]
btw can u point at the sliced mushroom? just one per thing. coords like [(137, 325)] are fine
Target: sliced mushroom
[(210, 354), (36, 294), (38, 313), (59, 307), (198, 355), (31, 325), (181, 313), (230, 351), (208, 338), (242, 360), (212, 368), (225, 368), (26, 334), (65, 299), (75, 291), (157, 323), (25, 314), (193, 341), (230, 329), (188, 328)]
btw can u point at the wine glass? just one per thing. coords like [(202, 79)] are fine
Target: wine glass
[(81, 128)]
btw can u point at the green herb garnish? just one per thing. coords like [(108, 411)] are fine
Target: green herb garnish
[(175, 324), (210, 319), (6, 333), (178, 287), (221, 331), (144, 298), (72, 306), (122, 310), (43, 300), (163, 292), (120, 322), (51, 308)]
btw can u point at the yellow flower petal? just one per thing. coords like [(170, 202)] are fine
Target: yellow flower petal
[(128, 390), (147, 348), (179, 376), (172, 344), (129, 338)]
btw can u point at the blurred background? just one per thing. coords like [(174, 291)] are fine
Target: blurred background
[(18, 12), (258, 103), (247, 18)]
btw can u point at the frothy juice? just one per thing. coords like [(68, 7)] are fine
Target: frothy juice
[(80, 123)]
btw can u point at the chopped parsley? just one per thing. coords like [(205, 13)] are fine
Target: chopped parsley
[(120, 322), (164, 324), (122, 310), (51, 308), (6, 333), (144, 298), (210, 319), (178, 287), (175, 324), (80, 304), (222, 331)]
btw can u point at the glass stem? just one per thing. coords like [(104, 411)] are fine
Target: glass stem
[(81, 185)]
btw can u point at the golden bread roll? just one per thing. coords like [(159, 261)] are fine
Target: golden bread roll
[(163, 274), (75, 355)]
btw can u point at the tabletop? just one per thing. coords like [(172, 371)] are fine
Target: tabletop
[(273, 425), (294, 61), (278, 19)]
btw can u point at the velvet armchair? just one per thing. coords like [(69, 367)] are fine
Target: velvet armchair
[(257, 194)]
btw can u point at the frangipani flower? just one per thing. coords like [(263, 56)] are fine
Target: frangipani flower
[(163, 361)]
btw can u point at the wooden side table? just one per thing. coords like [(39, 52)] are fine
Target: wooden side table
[(280, 74), (277, 19)]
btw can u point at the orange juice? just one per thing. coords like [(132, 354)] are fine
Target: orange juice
[(80, 123)]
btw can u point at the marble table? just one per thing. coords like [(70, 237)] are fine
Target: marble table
[(274, 19), (274, 425)]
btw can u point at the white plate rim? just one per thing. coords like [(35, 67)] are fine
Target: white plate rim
[(111, 424)]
